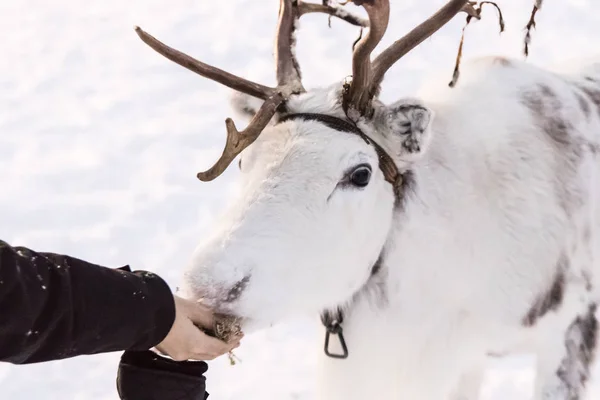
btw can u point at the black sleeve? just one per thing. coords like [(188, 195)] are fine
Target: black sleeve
[(148, 376), (54, 306)]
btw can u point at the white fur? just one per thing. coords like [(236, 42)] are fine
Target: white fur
[(476, 241)]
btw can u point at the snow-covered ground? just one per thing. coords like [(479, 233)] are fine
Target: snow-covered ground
[(101, 138)]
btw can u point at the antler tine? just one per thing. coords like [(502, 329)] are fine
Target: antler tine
[(207, 71), (288, 82), (289, 77), (357, 96), (238, 141), (398, 49), (333, 11)]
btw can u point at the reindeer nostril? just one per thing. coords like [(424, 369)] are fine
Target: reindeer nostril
[(236, 291)]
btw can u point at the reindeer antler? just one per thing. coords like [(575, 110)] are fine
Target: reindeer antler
[(333, 11), (398, 49), (288, 69), (357, 95), (207, 71), (367, 76), (289, 80), (238, 141)]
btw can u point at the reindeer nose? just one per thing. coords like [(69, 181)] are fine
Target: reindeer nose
[(236, 291)]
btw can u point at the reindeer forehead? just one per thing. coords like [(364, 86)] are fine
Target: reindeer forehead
[(354, 137), (325, 100), (314, 138)]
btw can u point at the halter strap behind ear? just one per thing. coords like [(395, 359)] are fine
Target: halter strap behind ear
[(386, 163)]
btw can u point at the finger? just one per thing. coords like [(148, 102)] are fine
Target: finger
[(201, 343), (219, 353), (235, 341), (236, 338), (215, 346), (198, 313)]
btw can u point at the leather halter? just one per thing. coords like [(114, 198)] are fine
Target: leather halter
[(332, 320), (386, 163)]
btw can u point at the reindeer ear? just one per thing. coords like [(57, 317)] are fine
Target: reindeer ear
[(408, 123), (245, 105)]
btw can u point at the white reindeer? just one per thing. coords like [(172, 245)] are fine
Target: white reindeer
[(430, 234)]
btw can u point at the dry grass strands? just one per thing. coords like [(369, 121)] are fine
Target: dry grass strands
[(225, 328), (473, 10)]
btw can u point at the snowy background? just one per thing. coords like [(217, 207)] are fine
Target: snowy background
[(101, 138)]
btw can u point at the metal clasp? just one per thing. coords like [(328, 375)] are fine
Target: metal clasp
[(334, 327)]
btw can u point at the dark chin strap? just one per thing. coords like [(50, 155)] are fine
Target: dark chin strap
[(332, 320)]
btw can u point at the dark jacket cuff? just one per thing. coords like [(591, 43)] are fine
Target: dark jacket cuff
[(144, 375), (162, 310)]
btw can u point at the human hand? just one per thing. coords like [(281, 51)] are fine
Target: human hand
[(186, 341)]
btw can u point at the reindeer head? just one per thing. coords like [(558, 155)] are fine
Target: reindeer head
[(323, 173)]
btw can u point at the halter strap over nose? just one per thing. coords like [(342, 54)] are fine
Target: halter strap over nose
[(386, 163)]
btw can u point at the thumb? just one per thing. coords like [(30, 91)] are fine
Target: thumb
[(198, 313)]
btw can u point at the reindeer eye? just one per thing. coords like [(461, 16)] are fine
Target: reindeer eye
[(361, 175)]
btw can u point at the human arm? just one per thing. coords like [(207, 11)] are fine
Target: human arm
[(55, 306)]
